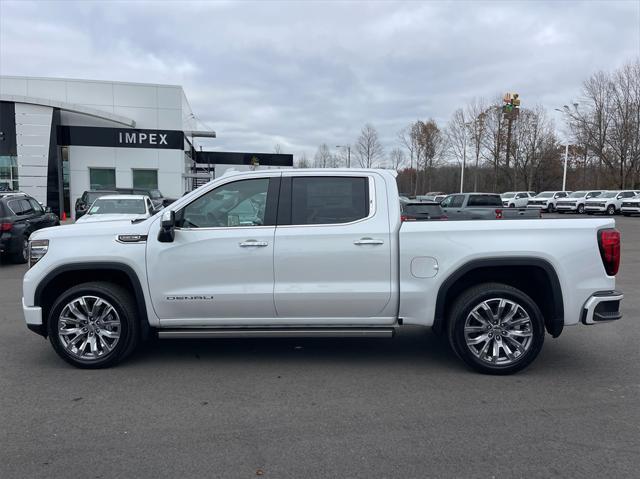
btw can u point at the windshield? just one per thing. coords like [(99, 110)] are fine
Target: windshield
[(129, 206), (509, 194), (609, 194), (577, 194), (545, 194)]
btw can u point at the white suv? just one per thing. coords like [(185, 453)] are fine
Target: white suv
[(631, 206), (515, 199), (575, 201), (608, 202), (547, 200)]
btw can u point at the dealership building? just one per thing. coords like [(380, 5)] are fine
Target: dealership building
[(60, 137)]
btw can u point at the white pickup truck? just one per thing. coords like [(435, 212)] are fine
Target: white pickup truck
[(322, 253)]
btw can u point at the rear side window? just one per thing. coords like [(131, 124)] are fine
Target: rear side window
[(432, 210), (328, 200), (484, 200), (16, 206)]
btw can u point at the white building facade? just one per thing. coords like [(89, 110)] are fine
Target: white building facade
[(60, 137)]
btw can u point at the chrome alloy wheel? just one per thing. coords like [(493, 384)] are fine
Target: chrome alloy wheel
[(498, 331), (89, 327)]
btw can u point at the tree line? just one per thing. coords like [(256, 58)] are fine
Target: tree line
[(601, 127)]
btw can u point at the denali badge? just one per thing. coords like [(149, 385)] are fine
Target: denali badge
[(191, 297)]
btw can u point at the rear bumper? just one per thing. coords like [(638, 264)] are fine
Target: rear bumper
[(10, 243), (603, 306)]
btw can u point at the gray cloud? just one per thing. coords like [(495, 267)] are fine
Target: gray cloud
[(305, 73)]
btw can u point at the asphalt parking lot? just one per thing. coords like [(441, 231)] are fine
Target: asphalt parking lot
[(324, 408)]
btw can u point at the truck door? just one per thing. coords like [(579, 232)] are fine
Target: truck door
[(452, 206), (332, 255), (220, 264)]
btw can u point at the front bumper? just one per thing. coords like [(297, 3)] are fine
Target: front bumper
[(33, 318), (630, 209), (567, 207), (537, 207), (603, 306), (595, 209)]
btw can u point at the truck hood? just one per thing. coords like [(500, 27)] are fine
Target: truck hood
[(108, 217), (90, 229)]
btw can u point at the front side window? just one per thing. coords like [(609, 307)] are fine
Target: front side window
[(329, 200), (36, 206), (241, 203), (102, 178)]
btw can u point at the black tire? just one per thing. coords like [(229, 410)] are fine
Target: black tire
[(121, 300), (21, 256), (550, 208), (473, 297), (611, 210), (580, 209), (512, 205)]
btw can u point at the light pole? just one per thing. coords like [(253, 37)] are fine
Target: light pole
[(348, 147), (566, 112)]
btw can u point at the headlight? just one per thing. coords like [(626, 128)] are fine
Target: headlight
[(37, 249)]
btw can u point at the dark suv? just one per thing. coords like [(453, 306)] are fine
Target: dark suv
[(20, 215)]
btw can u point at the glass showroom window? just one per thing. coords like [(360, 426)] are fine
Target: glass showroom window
[(102, 178), (145, 179), (8, 173)]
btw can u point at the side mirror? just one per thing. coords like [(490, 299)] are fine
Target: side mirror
[(47, 209), (167, 227)]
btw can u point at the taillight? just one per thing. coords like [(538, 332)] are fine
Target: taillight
[(609, 243), (6, 226), (403, 218), (498, 214)]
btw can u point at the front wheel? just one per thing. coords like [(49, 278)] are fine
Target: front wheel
[(580, 209), (550, 208), (496, 329), (611, 210), (94, 325)]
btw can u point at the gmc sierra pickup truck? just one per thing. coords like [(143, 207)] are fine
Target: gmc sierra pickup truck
[(324, 253)]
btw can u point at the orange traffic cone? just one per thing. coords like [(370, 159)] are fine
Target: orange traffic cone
[(64, 215)]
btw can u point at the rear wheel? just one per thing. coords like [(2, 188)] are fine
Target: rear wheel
[(21, 255), (94, 325), (496, 329)]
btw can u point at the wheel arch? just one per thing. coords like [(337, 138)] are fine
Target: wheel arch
[(534, 276), (63, 277)]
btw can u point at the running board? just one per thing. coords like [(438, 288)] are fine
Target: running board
[(278, 333)]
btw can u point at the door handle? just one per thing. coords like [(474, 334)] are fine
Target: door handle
[(253, 243), (363, 241)]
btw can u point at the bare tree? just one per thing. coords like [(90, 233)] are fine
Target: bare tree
[(303, 162), (476, 113), (323, 157), (409, 141), (432, 144), (397, 159), (368, 148), (277, 149), (457, 134)]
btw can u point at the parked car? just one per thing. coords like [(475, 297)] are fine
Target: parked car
[(515, 199), (575, 201), (329, 258), (86, 200), (631, 206), (482, 206), (547, 200), (439, 198), (119, 207), (156, 196), (20, 216), (420, 211), (609, 202)]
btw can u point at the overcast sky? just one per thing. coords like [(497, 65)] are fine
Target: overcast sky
[(304, 73)]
